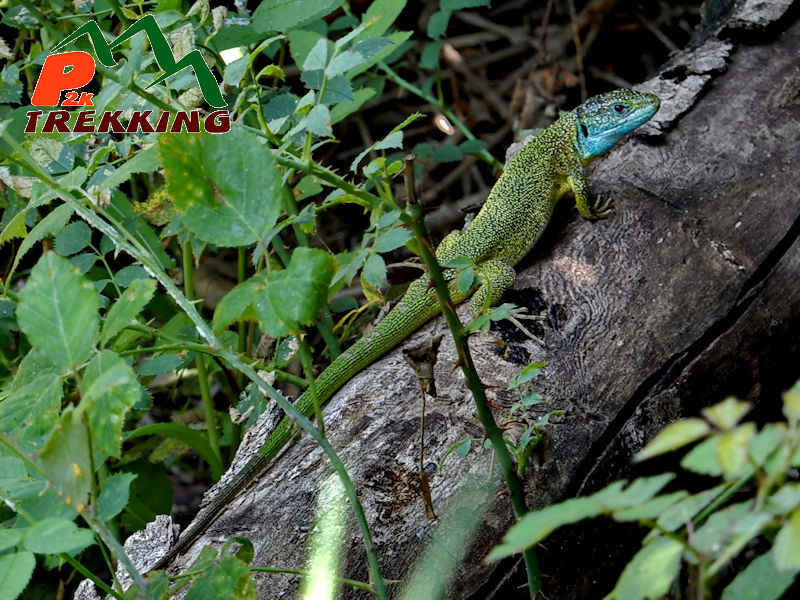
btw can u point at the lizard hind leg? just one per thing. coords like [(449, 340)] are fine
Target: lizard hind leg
[(446, 246), (497, 276)]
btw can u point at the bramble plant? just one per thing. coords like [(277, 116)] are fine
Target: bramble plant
[(100, 224), (756, 503)]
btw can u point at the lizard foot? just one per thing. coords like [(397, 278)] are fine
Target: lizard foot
[(601, 207)]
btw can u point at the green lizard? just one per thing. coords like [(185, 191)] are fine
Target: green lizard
[(511, 220)]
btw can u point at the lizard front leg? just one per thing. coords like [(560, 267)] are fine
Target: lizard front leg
[(597, 208), (497, 276)]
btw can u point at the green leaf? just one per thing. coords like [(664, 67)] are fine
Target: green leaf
[(650, 573), (344, 62), (57, 311), (674, 436), (110, 391), (787, 498), (283, 15), (225, 201), (74, 238), (127, 275), (760, 579), (250, 301), (384, 13), (462, 4), (114, 495), (682, 512), (235, 71), (304, 287), (712, 536), (786, 550), (727, 413), (429, 58), (15, 227), (84, 262), (393, 139), (15, 573), (448, 153), (375, 270), (53, 536), (9, 538), (164, 363), (465, 279), (343, 109), (10, 85), (437, 24), (300, 44), (703, 458), (537, 525), (196, 440), (733, 449), (50, 225), (127, 306), (318, 121), (317, 57), (791, 403), (230, 579), (392, 239), (65, 460), (145, 160), (651, 509)]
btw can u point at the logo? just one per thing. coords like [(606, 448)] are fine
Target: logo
[(67, 72)]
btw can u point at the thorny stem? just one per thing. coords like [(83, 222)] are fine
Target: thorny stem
[(414, 219)]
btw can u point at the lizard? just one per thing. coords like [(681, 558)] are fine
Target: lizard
[(510, 222)]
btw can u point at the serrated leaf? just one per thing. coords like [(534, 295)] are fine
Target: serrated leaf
[(224, 200), (317, 57), (733, 448), (160, 364), (726, 414), (651, 509), (682, 512), (145, 160), (250, 301), (383, 13), (289, 14), (650, 573), (786, 550), (114, 495), (8, 539), (15, 573), (74, 238), (392, 239), (110, 391), (57, 311), (344, 62), (465, 279), (318, 121), (53, 536), (674, 436), (712, 535), (65, 460), (760, 579), (230, 579), (304, 287), (50, 225), (348, 107), (375, 270), (31, 409), (127, 306)]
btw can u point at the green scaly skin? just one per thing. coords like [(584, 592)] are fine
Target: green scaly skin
[(511, 221)]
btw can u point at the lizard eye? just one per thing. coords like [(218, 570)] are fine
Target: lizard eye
[(619, 108)]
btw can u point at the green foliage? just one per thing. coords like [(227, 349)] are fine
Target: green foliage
[(702, 530)]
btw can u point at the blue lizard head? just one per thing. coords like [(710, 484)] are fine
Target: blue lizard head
[(605, 119)]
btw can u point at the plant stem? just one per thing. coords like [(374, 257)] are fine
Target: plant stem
[(132, 246), (414, 219), (199, 360), (308, 369)]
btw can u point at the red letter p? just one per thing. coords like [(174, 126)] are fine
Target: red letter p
[(55, 79)]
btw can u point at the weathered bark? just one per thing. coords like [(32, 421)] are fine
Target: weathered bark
[(687, 294)]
